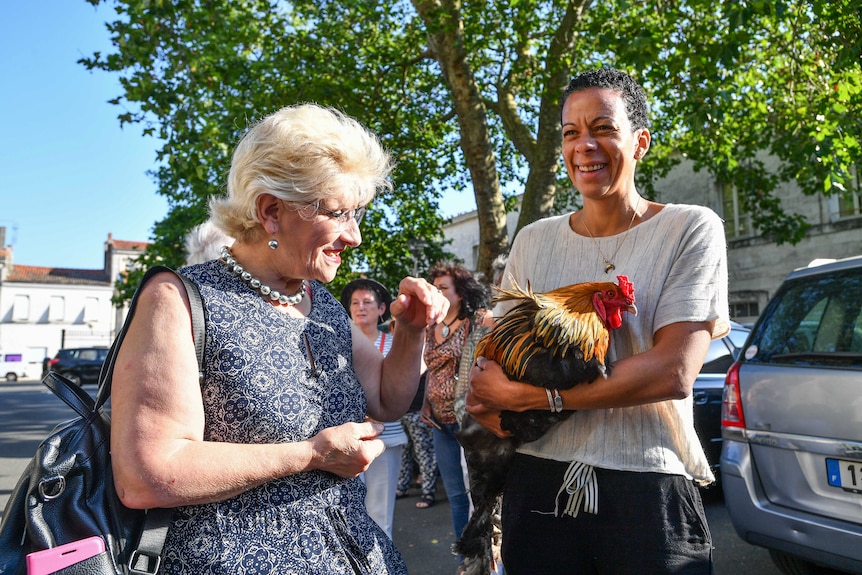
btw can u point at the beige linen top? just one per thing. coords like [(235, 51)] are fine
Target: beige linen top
[(677, 262)]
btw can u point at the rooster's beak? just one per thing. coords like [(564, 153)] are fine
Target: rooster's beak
[(632, 309)]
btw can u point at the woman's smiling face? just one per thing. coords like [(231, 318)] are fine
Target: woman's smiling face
[(317, 241), (599, 147)]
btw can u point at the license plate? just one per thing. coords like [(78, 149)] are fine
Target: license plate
[(845, 474)]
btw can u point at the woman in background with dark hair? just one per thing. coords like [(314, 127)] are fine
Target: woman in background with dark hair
[(443, 344)]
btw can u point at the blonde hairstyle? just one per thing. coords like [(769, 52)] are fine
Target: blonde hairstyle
[(301, 153), (204, 242)]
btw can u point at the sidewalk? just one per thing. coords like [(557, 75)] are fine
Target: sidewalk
[(424, 536)]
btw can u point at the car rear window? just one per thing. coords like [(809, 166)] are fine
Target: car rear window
[(814, 320)]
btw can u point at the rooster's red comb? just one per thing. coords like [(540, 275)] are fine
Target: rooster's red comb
[(626, 287)]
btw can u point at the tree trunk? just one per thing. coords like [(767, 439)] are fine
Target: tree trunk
[(541, 187), (445, 40)]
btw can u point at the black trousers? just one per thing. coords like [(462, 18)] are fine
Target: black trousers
[(647, 523)]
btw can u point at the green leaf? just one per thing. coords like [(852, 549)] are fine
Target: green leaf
[(466, 96)]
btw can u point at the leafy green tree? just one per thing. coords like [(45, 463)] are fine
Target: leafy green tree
[(197, 74), (759, 78), (466, 95)]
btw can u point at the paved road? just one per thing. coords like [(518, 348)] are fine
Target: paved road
[(424, 536), (28, 411)]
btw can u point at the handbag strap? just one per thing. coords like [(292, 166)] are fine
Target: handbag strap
[(106, 374), (198, 327), (145, 559), (72, 394)]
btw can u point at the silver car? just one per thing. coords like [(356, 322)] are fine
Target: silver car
[(791, 461)]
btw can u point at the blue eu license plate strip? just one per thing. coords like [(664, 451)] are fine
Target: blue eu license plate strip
[(844, 474)]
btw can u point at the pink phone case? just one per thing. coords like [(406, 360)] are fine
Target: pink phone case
[(51, 560)]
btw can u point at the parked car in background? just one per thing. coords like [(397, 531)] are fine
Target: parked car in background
[(12, 366), (791, 463), (708, 388), (81, 365)]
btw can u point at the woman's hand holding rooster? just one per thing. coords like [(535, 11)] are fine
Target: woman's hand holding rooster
[(491, 392)]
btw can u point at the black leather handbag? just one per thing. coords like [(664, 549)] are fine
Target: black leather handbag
[(67, 493)]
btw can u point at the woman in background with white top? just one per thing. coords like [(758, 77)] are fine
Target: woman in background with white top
[(367, 303)]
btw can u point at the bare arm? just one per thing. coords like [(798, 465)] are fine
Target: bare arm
[(160, 458), (391, 382), (666, 371)]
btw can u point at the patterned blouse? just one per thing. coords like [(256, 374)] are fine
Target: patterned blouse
[(261, 386), (442, 360)]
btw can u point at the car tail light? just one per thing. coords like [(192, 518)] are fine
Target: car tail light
[(52, 362), (731, 401)]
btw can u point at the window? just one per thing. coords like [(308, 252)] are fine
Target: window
[(850, 203), (91, 310), (744, 309), (718, 358), (21, 308), (847, 201), (88, 355), (736, 223), (57, 309), (723, 352), (817, 319)]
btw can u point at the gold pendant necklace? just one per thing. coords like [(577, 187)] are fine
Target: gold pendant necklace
[(609, 265)]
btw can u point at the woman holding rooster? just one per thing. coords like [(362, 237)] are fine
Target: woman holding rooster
[(621, 473)]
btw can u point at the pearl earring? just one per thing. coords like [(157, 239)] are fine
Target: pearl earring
[(273, 243)]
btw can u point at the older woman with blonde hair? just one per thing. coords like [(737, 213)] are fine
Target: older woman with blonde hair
[(261, 456)]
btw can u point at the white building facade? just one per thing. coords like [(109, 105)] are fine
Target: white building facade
[(44, 309)]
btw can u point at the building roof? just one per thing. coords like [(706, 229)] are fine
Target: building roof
[(16, 273), (127, 245), (48, 275)]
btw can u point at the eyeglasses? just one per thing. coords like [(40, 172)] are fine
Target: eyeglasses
[(340, 216)]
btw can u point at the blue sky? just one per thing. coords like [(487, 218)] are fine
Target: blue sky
[(70, 174)]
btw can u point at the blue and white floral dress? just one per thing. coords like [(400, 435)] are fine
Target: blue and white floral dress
[(261, 387)]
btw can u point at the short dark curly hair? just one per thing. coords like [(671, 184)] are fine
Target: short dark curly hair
[(474, 296), (633, 95)]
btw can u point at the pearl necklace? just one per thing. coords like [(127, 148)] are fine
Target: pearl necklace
[(255, 284), (609, 266)]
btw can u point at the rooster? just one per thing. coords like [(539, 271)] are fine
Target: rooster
[(556, 340)]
